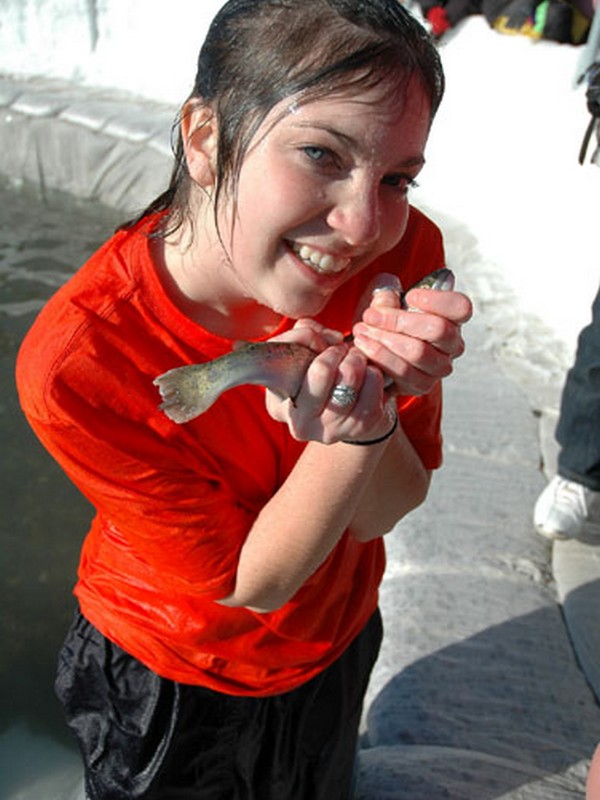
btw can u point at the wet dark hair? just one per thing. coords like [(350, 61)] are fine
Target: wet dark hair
[(259, 52)]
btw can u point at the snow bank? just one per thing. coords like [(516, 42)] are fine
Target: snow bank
[(147, 47), (502, 173)]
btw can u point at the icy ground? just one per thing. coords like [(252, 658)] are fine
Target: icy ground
[(520, 213)]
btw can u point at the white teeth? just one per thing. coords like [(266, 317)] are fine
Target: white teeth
[(322, 262), (326, 264)]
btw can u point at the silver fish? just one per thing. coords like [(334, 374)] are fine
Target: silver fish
[(441, 279), (189, 391)]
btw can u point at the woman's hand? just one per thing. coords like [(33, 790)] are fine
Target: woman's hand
[(414, 346), (358, 410)]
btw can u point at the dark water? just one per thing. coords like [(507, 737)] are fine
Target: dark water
[(42, 517)]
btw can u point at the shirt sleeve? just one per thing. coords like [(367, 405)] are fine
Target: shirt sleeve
[(421, 420), (165, 506)]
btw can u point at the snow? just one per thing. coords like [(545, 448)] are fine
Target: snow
[(519, 212), (147, 47), (520, 215), (502, 162)]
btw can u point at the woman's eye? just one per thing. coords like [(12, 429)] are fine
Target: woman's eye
[(317, 154), (400, 181)]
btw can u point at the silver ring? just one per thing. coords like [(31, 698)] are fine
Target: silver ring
[(342, 395)]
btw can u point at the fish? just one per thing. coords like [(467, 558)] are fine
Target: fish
[(191, 390), (442, 280)]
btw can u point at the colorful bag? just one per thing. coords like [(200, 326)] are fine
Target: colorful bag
[(553, 20)]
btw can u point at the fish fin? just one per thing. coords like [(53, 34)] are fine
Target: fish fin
[(181, 401)]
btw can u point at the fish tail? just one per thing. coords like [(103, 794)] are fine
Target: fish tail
[(182, 398)]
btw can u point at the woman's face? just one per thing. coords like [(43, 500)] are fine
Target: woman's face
[(321, 193)]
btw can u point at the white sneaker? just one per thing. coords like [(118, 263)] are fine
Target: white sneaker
[(566, 509)]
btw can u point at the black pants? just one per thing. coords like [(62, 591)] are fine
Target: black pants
[(578, 430), (142, 736)]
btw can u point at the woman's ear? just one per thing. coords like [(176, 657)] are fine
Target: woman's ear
[(199, 135)]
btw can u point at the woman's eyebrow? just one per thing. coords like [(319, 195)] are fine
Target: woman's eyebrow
[(417, 160), (344, 137), (412, 161)]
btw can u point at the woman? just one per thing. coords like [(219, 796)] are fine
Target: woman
[(227, 590)]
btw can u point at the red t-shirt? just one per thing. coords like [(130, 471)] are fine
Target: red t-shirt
[(175, 502)]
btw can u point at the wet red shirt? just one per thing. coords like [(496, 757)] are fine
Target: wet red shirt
[(174, 502)]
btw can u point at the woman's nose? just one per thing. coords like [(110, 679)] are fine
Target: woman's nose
[(356, 215)]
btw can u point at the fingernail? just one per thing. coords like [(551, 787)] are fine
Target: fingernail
[(388, 283), (388, 288)]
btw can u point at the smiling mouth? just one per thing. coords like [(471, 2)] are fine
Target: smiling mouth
[(324, 263)]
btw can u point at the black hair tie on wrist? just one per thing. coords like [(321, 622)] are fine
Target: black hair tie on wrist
[(385, 436)]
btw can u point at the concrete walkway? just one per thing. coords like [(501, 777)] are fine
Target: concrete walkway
[(489, 678)]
